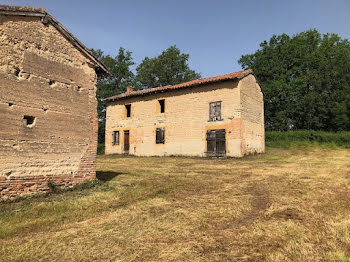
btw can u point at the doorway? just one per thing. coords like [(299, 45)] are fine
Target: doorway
[(216, 143), (126, 141)]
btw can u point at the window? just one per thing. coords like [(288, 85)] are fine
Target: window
[(160, 135), (115, 137), (29, 121), (128, 110), (162, 105), (215, 111)]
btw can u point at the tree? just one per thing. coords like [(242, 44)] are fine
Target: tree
[(113, 84), (305, 80), (169, 68)]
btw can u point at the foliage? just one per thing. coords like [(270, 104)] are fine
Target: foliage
[(100, 149), (305, 80), (307, 137), (169, 68), (113, 84), (53, 187)]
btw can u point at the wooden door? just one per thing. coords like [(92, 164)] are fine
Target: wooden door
[(126, 141), (216, 142)]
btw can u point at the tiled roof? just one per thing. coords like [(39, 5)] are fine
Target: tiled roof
[(197, 82), (47, 18)]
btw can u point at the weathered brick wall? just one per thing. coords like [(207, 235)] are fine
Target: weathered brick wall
[(252, 105), (45, 76), (185, 121)]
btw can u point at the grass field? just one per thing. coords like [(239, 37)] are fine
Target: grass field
[(286, 205)]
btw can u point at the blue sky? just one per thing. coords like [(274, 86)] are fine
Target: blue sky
[(214, 32)]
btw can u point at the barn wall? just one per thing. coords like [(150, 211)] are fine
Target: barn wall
[(252, 116), (43, 75), (185, 121)]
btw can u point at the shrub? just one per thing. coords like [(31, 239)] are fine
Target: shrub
[(101, 149), (306, 137)]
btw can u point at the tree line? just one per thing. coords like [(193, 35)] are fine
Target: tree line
[(305, 79)]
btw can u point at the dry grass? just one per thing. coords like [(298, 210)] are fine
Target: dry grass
[(286, 205)]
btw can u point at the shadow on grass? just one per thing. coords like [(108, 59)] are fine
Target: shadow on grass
[(105, 176)]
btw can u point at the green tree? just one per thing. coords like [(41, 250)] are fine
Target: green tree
[(305, 80), (169, 68), (113, 84)]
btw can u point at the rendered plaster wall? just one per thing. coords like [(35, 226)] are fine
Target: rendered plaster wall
[(43, 75), (186, 120), (252, 115)]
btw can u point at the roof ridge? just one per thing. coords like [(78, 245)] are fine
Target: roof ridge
[(191, 83)]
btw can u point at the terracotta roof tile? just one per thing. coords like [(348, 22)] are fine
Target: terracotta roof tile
[(197, 82)]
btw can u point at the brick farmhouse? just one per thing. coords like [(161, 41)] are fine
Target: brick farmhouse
[(218, 116), (48, 127)]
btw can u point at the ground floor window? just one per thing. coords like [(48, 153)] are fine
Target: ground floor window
[(160, 135), (115, 137)]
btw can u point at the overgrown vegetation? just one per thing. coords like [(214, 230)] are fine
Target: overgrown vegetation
[(100, 149), (286, 205), (306, 137)]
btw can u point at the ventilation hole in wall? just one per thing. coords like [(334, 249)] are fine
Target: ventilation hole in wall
[(29, 121), (45, 109), (52, 82), (10, 104), (79, 88), (17, 71)]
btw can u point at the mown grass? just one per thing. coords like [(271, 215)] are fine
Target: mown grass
[(285, 205)]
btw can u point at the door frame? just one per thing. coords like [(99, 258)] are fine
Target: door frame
[(126, 135), (217, 142)]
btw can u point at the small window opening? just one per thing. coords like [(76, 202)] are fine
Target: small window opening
[(115, 138), (10, 104), (162, 105), (29, 120), (52, 82), (160, 135), (215, 111), (79, 89), (128, 110)]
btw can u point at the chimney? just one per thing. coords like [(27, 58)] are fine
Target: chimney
[(129, 89)]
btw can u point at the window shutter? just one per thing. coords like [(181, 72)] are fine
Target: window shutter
[(215, 111), (160, 135)]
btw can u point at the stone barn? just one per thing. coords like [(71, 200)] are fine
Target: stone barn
[(48, 119), (217, 116)]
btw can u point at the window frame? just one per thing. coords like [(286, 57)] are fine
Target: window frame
[(212, 115), (116, 141), (127, 110), (161, 103), (160, 131)]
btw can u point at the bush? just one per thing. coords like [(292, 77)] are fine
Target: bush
[(306, 137), (101, 149)]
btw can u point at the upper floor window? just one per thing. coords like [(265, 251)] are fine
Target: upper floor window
[(215, 111), (161, 106), (128, 110), (115, 137), (160, 135)]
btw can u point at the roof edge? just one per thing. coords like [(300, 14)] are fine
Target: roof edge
[(47, 18), (193, 83)]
